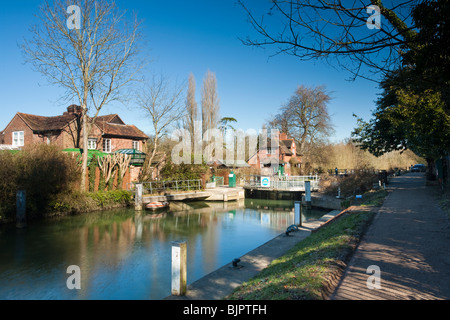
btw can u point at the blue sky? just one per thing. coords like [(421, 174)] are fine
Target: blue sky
[(184, 37)]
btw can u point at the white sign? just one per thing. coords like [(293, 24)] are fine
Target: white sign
[(265, 182)]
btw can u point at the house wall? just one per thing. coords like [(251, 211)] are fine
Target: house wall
[(67, 138), (17, 124), (120, 143)]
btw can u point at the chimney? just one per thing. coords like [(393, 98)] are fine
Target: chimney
[(73, 109), (283, 136)]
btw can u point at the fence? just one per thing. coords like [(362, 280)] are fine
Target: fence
[(219, 181), (155, 187), (292, 183), (8, 147)]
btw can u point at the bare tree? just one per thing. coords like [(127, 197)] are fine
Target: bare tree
[(307, 115), (281, 122), (210, 104), (106, 165), (191, 109), (335, 29), (163, 105), (88, 48)]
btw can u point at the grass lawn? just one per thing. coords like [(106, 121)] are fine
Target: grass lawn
[(311, 269)]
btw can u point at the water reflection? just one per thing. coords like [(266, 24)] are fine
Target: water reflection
[(124, 255)]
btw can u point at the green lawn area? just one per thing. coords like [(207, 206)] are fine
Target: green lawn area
[(311, 269)]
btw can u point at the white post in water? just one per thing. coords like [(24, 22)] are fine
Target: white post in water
[(138, 196), (297, 214), (308, 194), (21, 205), (179, 259)]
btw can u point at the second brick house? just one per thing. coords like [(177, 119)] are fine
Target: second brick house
[(277, 160), (108, 134)]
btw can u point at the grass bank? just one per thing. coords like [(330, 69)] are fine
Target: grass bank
[(81, 202), (311, 269)]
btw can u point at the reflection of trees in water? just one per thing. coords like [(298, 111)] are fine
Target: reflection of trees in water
[(108, 241)]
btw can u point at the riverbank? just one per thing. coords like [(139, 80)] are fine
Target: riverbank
[(268, 272), (312, 268), (75, 203)]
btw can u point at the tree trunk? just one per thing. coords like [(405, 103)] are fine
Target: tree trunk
[(431, 176), (85, 150)]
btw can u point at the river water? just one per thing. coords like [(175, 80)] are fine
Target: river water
[(124, 255)]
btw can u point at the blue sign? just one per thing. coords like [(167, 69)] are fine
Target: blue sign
[(265, 182)]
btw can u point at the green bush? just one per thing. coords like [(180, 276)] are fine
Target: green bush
[(42, 170), (72, 202), (80, 202), (353, 184), (172, 172), (105, 199)]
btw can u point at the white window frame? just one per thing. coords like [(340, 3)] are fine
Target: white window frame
[(136, 145), (107, 145), (18, 141), (271, 150), (92, 144)]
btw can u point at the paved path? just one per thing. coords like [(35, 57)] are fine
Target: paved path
[(409, 240)]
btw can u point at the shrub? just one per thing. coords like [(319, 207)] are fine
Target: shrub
[(80, 202), (8, 184), (42, 170), (171, 171), (106, 199), (73, 202), (356, 183)]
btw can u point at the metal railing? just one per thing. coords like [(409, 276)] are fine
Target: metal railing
[(219, 181), (155, 187), (292, 183)]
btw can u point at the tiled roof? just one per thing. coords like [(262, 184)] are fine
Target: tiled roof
[(109, 124), (115, 129), (40, 123), (285, 150), (287, 143)]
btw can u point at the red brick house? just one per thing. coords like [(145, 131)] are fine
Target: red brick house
[(108, 134), (285, 156)]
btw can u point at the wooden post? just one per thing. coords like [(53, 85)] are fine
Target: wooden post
[(308, 194), (179, 260), (297, 214), (138, 199), (21, 204)]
